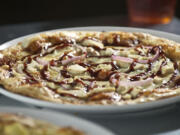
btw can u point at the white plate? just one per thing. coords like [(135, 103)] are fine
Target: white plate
[(97, 109), (60, 119)]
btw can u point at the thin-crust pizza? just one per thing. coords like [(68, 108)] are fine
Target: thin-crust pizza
[(78, 67), (16, 124)]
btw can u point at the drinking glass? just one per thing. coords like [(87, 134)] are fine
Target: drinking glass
[(151, 11)]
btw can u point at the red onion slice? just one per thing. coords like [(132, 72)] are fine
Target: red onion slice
[(130, 60), (143, 61), (64, 87), (92, 84), (75, 58), (115, 81), (135, 83), (151, 59), (113, 78), (122, 59), (42, 62)]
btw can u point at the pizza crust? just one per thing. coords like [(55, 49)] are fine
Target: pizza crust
[(170, 48)]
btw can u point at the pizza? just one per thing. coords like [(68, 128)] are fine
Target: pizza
[(94, 68), (16, 124)]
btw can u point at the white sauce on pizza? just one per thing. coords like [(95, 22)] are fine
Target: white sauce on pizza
[(105, 69)]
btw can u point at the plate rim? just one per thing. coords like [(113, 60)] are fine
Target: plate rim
[(105, 109), (89, 125)]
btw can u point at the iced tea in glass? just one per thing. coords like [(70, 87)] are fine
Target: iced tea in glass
[(151, 11)]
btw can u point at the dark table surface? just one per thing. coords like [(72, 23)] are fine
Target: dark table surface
[(8, 32), (160, 122)]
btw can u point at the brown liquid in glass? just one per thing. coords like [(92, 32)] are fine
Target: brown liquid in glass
[(151, 11)]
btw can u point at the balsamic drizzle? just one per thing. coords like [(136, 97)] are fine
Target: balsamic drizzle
[(30, 78), (117, 41), (94, 74)]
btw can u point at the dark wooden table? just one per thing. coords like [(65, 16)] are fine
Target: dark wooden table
[(164, 121)]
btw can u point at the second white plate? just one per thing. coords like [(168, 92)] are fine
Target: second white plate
[(60, 119)]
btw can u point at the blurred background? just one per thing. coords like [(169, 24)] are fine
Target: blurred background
[(22, 17), (17, 11)]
